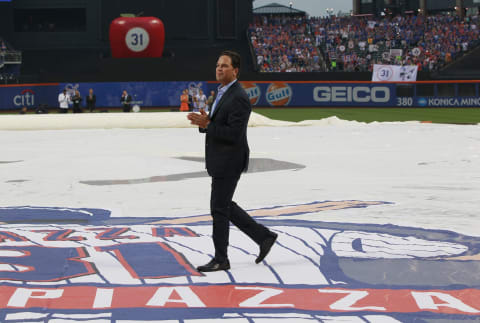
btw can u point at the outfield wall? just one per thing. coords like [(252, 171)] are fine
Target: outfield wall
[(262, 94)]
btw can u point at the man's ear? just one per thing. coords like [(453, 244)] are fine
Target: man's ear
[(236, 70)]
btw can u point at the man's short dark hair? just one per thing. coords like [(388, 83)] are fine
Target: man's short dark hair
[(235, 57)]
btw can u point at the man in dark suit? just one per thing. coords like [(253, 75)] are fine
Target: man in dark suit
[(125, 100), (77, 99), (91, 100), (226, 157)]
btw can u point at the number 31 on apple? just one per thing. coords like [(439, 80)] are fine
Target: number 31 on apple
[(137, 37)]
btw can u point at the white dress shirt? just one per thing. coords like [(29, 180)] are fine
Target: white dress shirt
[(220, 92), (63, 100)]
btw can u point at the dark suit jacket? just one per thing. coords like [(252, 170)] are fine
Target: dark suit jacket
[(91, 102), (76, 99), (125, 100), (226, 145)]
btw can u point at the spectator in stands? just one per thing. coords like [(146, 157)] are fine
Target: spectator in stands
[(23, 110), (126, 100), (91, 100), (284, 45), (76, 100), (297, 44), (63, 101)]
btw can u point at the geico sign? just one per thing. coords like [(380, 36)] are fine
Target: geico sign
[(361, 94)]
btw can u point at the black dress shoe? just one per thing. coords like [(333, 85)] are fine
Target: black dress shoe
[(213, 265), (265, 247)]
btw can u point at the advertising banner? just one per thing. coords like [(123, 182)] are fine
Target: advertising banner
[(261, 94), (394, 73), (148, 94), (283, 94), (14, 97), (446, 102)]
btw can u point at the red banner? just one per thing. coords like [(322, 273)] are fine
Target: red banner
[(465, 301)]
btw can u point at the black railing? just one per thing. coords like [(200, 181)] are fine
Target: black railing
[(13, 57), (252, 52)]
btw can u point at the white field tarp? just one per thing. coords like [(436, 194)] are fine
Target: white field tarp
[(430, 172)]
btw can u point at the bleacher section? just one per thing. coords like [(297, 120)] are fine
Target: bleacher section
[(354, 44), (284, 44)]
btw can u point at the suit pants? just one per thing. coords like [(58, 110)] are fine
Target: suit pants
[(224, 211)]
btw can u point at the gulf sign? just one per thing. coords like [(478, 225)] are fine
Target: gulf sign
[(253, 92), (279, 94)]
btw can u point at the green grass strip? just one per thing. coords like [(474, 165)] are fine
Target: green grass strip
[(435, 115)]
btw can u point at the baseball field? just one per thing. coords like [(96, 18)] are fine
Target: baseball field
[(434, 115)]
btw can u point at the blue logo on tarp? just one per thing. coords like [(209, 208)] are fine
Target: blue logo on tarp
[(68, 263)]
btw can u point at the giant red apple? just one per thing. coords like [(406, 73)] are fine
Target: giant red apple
[(137, 37)]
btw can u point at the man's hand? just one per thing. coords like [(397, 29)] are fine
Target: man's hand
[(200, 119)]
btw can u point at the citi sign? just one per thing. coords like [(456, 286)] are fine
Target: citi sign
[(25, 98), (357, 94)]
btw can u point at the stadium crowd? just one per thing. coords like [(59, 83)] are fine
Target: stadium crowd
[(302, 44), (283, 44)]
